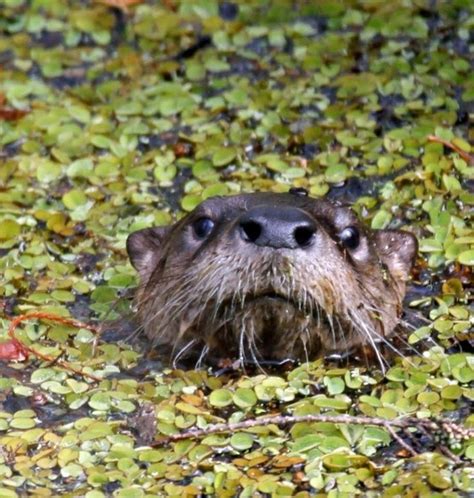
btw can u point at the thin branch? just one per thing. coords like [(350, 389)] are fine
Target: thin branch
[(40, 315), (399, 440), (465, 155), (427, 426)]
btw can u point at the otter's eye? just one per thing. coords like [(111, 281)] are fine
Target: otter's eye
[(350, 237), (203, 227)]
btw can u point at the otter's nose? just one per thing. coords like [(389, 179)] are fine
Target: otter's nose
[(277, 227)]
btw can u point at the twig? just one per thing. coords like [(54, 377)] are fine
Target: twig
[(40, 315), (448, 453), (465, 155), (427, 426), (282, 420), (399, 440)]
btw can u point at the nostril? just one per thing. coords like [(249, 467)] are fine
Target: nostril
[(303, 235), (251, 230)]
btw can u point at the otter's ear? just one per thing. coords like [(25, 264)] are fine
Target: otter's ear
[(397, 249), (144, 248)]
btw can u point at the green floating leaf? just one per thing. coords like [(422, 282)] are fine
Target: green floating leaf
[(274, 163), (333, 443), (466, 257), (294, 173), (41, 375), (82, 114), (220, 398), (337, 462), (306, 443), (74, 199), (244, 397), (104, 294), (189, 202), (95, 430), (381, 220), (451, 392), (8, 493), (22, 423), (439, 480), (9, 229), (82, 168), (462, 144), (223, 156), (428, 398), (131, 492), (165, 173), (151, 456), (336, 173), (63, 296), (336, 404), (241, 441), (470, 452), (205, 171), (47, 171), (100, 401), (214, 190), (419, 334), (72, 470), (101, 141), (335, 385)]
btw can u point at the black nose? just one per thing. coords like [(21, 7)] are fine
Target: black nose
[(277, 227)]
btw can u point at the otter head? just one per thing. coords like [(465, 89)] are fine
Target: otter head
[(269, 276)]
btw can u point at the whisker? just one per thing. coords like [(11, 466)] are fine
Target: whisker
[(203, 354), (305, 349), (253, 349), (182, 351)]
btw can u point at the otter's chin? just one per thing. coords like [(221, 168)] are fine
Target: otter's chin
[(270, 326)]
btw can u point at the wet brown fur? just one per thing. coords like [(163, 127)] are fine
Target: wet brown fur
[(223, 297)]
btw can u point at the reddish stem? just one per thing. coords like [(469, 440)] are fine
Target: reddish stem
[(41, 315), (465, 155)]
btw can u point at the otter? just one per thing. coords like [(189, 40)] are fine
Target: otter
[(265, 276)]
